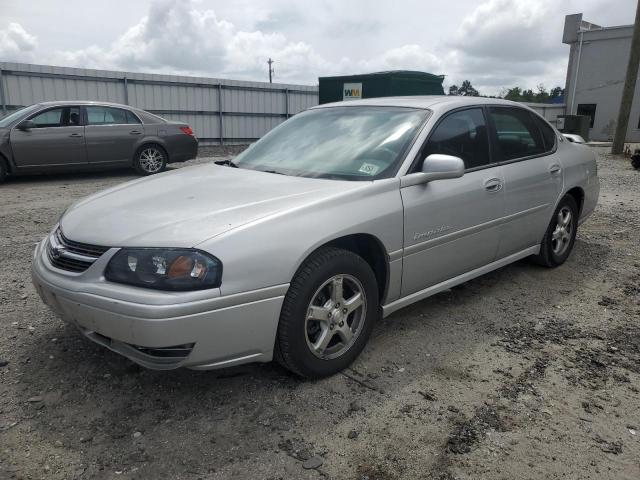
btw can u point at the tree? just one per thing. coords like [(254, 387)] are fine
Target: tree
[(556, 92), (467, 90), (527, 96), (453, 90), (514, 94), (542, 96)]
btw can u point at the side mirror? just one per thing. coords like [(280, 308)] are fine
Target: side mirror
[(26, 125), (435, 167)]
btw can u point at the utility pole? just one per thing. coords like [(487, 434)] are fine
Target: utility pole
[(629, 87), (271, 69)]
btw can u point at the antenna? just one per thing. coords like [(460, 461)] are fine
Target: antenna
[(270, 62)]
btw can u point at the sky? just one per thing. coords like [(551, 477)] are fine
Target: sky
[(496, 44)]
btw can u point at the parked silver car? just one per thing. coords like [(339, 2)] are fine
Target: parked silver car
[(344, 213), (73, 136)]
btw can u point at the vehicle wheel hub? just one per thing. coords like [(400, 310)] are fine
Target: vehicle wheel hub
[(335, 316), (563, 231)]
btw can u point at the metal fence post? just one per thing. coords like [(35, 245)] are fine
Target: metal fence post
[(220, 112), (126, 90), (286, 101), (3, 100)]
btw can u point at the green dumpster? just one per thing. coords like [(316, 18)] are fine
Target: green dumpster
[(379, 84)]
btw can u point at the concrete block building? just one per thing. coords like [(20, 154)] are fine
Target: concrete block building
[(597, 67)]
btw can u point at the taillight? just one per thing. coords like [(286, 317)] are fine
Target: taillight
[(187, 130)]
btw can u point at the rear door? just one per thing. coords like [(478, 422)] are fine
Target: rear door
[(56, 140), (452, 226), (525, 147), (112, 134)]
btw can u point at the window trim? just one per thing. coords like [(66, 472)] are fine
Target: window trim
[(44, 110), (492, 163), (86, 116), (494, 136)]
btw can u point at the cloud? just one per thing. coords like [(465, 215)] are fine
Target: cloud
[(506, 42), (176, 37), (499, 43), (16, 44)]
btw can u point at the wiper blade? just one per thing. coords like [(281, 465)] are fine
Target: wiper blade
[(228, 163), (273, 171)]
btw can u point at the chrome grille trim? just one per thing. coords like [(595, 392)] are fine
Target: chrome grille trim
[(71, 256)]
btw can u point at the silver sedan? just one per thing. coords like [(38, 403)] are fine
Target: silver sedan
[(345, 213)]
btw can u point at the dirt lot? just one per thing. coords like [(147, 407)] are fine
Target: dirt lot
[(523, 373)]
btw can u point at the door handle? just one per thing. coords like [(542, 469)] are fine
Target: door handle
[(493, 185), (76, 135), (555, 169), (135, 132)]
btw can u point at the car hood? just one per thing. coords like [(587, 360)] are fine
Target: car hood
[(190, 205)]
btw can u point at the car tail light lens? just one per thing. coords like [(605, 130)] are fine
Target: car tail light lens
[(188, 130)]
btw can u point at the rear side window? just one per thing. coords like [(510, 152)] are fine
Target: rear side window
[(461, 134), (517, 133), (548, 133), (109, 116)]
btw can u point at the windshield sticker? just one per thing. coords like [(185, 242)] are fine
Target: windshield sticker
[(369, 168)]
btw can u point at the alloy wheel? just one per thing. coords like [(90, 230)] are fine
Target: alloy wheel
[(561, 236), (151, 160), (335, 316)]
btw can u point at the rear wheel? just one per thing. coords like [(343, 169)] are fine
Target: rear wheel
[(150, 159), (561, 234), (328, 314)]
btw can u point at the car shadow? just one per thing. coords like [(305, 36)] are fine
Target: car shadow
[(124, 174)]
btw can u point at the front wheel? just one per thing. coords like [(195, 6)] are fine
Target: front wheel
[(150, 159), (327, 314), (560, 235)]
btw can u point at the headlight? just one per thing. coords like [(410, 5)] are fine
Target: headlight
[(165, 269)]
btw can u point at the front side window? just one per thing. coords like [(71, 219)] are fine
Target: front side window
[(57, 117), (462, 134), (345, 143), (588, 109), (97, 115), (517, 134)]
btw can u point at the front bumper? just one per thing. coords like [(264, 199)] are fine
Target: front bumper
[(162, 330)]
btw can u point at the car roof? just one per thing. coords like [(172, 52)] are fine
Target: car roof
[(83, 102), (431, 102)]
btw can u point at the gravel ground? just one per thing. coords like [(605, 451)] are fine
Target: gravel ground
[(523, 373)]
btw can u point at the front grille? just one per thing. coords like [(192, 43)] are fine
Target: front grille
[(71, 256)]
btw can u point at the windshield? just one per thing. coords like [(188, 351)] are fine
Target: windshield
[(6, 121), (347, 143)]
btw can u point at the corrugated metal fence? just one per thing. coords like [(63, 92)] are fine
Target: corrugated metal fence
[(220, 111)]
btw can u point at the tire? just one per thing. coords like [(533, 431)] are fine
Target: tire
[(312, 290), (558, 240), (3, 170), (150, 159)]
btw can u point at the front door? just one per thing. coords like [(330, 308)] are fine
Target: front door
[(112, 134), (57, 139), (452, 226)]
